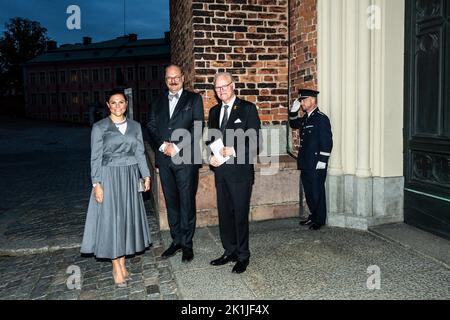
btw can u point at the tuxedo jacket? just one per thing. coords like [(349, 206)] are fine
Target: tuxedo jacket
[(316, 139), (242, 133), (188, 115)]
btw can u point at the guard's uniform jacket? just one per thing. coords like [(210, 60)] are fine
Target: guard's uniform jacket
[(316, 141)]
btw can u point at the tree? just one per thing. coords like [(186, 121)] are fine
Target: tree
[(22, 41)]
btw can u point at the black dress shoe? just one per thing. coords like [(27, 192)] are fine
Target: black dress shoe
[(306, 222), (314, 226), (240, 266), (171, 251), (188, 255), (223, 260)]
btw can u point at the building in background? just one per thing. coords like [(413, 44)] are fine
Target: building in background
[(70, 83)]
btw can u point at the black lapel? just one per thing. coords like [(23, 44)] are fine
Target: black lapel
[(180, 103), (164, 104), (216, 118), (234, 115)]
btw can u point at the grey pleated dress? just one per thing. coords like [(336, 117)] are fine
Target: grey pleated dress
[(118, 226)]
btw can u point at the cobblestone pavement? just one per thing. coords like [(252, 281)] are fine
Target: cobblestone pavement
[(45, 187)]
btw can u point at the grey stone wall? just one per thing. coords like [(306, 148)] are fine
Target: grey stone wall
[(360, 203)]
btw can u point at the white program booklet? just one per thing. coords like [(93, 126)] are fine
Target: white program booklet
[(216, 146)]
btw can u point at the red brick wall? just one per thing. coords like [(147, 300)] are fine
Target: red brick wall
[(182, 38), (303, 44), (303, 48), (250, 39)]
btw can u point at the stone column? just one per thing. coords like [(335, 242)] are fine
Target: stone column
[(362, 183), (330, 99), (354, 67), (364, 78)]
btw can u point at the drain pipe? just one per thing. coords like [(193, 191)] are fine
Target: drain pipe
[(288, 131)]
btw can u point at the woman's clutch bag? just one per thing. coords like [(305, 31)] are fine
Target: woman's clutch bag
[(141, 185)]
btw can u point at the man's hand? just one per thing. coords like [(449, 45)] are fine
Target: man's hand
[(227, 152), (214, 162), (321, 165), (98, 193), (170, 150)]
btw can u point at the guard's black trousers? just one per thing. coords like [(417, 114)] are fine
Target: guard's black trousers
[(179, 184), (314, 186)]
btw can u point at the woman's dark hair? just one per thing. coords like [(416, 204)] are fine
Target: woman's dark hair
[(116, 91)]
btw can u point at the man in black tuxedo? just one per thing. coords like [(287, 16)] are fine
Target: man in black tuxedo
[(316, 143), (175, 128), (237, 123)]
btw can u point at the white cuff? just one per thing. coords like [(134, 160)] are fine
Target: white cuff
[(326, 154), (321, 165), (176, 149), (162, 148)]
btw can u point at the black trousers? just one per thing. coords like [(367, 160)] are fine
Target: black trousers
[(314, 185), (233, 204), (179, 184)]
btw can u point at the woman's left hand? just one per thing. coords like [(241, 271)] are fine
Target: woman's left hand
[(146, 184)]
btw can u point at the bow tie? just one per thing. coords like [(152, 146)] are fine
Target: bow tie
[(171, 96)]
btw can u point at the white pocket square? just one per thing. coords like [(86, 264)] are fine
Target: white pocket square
[(238, 121)]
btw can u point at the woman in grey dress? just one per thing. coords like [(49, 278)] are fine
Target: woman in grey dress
[(116, 222)]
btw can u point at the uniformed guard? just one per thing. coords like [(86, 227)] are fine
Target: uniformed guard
[(316, 142)]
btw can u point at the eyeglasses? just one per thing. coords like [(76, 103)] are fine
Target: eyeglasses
[(176, 78), (222, 88)]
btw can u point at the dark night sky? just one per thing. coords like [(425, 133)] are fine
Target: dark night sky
[(100, 19)]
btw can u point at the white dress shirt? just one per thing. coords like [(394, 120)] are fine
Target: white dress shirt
[(174, 102), (309, 113), (172, 106), (222, 112)]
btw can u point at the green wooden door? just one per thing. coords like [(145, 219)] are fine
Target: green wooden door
[(427, 115)]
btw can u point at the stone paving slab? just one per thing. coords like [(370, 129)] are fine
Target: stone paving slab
[(294, 263), (203, 253), (46, 277), (416, 239), (39, 158)]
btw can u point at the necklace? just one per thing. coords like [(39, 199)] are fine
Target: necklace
[(119, 123)]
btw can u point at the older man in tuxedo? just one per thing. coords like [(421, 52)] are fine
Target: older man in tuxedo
[(237, 124), (175, 128)]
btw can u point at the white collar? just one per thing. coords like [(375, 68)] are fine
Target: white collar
[(231, 103), (310, 113), (179, 93)]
